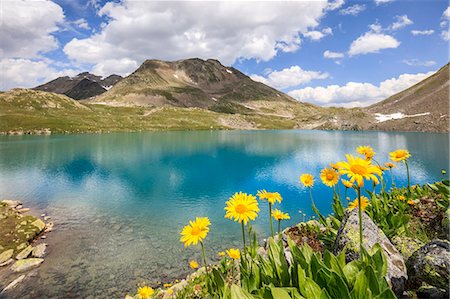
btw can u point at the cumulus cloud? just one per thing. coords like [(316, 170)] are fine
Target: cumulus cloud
[(445, 34), (333, 55), (289, 77), (353, 10), (28, 73), (401, 21), (139, 30), (82, 23), (417, 62), (372, 42), (446, 13), (355, 94), (333, 5), (318, 35), (380, 2), (27, 26), (422, 32)]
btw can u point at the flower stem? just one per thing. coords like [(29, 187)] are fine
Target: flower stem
[(345, 195), (204, 260), (232, 271), (243, 235), (270, 218), (279, 226), (310, 195), (360, 224), (392, 178), (407, 172)]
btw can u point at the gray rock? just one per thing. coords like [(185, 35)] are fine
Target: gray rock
[(6, 263), (12, 203), (431, 265), (26, 264), (24, 253), (39, 224), (6, 255), (427, 291), (14, 283), (407, 246), (348, 235), (39, 250)]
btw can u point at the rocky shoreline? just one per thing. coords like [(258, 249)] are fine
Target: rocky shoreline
[(22, 246)]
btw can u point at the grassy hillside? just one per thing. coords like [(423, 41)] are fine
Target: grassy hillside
[(27, 111)]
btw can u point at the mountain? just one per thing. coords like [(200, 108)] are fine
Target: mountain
[(422, 107), (194, 82), (195, 94), (82, 86)]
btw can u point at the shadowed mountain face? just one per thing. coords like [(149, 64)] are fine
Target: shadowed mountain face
[(82, 86), (422, 107)]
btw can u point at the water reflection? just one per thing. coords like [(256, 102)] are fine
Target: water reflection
[(119, 200)]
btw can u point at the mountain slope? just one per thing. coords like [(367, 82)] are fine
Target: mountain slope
[(82, 86), (194, 83), (422, 107)]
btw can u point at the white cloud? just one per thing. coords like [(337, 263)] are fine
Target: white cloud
[(372, 42), (422, 32), (333, 55), (416, 62), (380, 2), (376, 27), (138, 30), (353, 10), (289, 77), (318, 35), (26, 28), (82, 23), (445, 34), (355, 94), (28, 73), (335, 4), (402, 21), (446, 13)]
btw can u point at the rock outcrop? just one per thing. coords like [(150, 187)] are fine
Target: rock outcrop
[(348, 236)]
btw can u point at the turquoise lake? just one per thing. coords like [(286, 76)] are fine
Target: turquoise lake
[(119, 201)]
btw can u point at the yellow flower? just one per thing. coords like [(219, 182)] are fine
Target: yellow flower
[(358, 169), (410, 202), (389, 165), (193, 264), (234, 253), (366, 151), (195, 231), (401, 197), (271, 197), (347, 184), (382, 168), (329, 176), (364, 203), (399, 155), (242, 207), (145, 292), (167, 285), (278, 215), (307, 180), (334, 166), (221, 254), (169, 291)]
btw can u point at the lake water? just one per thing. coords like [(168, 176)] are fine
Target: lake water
[(120, 200)]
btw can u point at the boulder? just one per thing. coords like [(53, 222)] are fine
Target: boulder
[(427, 291), (11, 203), (6, 255), (39, 224), (14, 283), (430, 265), (24, 253), (6, 263), (348, 235), (406, 245), (26, 264), (39, 250)]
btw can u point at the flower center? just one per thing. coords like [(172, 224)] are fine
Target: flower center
[(240, 208), (399, 155), (358, 169), (329, 176), (195, 231)]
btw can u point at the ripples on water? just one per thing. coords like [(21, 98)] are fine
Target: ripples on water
[(120, 200)]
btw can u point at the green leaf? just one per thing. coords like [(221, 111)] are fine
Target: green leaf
[(360, 289), (280, 293)]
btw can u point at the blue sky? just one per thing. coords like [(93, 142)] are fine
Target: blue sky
[(335, 53)]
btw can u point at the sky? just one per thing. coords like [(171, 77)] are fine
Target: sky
[(329, 53)]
